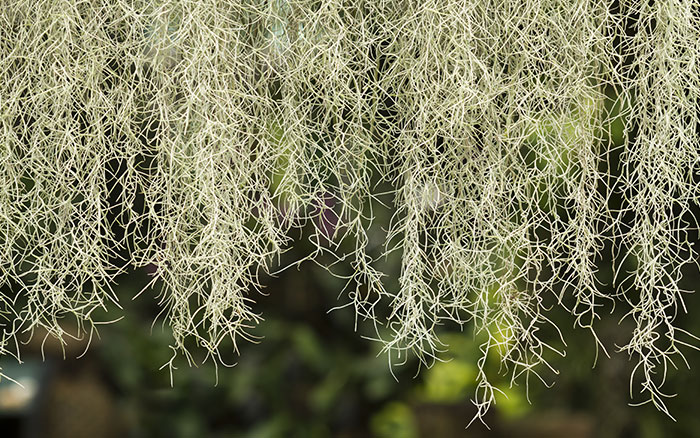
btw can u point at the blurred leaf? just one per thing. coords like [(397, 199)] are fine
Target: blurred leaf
[(449, 381), (395, 420), (328, 390), (511, 403), (309, 347)]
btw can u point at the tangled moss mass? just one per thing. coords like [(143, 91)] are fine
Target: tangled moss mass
[(516, 143)]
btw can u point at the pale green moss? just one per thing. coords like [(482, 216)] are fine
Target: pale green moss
[(235, 120)]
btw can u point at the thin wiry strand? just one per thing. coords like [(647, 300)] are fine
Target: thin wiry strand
[(192, 137), (497, 156), (329, 113), (209, 216), (56, 143), (661, 183)]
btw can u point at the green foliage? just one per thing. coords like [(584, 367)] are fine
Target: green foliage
[(192, 138), (395, 420)]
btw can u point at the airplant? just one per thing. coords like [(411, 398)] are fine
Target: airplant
[(194, 136)]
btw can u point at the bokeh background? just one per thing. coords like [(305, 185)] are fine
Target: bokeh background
[(311, 375), (317, 373)]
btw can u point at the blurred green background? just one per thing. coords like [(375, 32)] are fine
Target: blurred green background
[(312, 376)]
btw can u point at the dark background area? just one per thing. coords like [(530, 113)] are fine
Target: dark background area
[(311, 375)]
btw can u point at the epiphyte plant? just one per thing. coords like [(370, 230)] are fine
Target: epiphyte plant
[(193, 136)]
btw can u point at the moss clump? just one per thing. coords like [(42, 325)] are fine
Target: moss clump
[(208, 130)]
